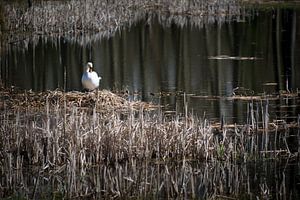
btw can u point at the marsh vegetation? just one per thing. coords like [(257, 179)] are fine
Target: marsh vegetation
[(100, 144), (57, 18)]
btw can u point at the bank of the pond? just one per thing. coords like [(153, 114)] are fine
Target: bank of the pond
[(57, 18)]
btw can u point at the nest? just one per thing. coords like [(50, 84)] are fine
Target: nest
[(103, 100)]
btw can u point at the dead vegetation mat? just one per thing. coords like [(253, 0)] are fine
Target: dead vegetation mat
[(101, 100)]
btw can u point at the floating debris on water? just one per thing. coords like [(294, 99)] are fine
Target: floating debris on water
[(226, 57)]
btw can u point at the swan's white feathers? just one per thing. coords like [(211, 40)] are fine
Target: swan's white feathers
[(90, 79)]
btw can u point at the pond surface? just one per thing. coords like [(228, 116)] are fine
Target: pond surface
[(258, 53)]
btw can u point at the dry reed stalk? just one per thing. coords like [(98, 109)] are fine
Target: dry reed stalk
[(71, 134)]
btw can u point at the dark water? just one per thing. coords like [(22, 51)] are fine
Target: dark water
[(150, 58)]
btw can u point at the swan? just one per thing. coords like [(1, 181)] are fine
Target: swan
[(90, 79)]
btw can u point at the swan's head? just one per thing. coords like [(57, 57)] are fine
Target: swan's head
[(89, 67)]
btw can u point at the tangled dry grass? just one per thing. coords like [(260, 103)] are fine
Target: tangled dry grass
[(100, 144), (104, 101), (136, 129), (77, 17)]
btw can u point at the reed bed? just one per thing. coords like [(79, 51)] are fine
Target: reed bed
[(146, 180), (84, 17), (99, 144)]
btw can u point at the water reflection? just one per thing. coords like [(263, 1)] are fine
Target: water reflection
[(150, 58)]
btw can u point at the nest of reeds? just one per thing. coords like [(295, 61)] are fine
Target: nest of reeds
[(101, 100)]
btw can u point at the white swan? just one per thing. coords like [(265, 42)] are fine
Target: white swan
[(90, 79)]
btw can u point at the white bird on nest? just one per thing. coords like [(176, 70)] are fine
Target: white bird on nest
[(90, 79)]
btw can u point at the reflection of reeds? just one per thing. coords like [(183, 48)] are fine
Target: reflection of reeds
[(99, 144)]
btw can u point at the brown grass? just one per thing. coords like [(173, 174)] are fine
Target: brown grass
[(84, 17), (102, 100), (136, 129), (70, 137)]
